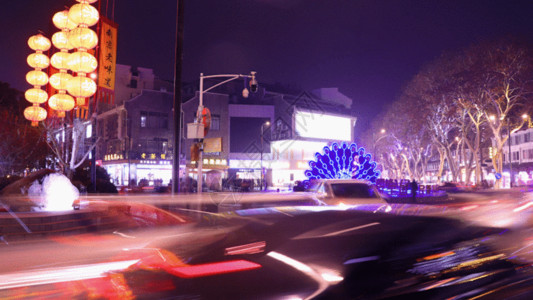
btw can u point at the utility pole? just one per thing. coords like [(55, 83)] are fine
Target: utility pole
[(177, 97)]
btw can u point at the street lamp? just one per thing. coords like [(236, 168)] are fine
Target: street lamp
[(267, 124), (198, 128), (526, 117)]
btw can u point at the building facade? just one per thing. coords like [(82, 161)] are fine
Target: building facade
[(270, 134), (136, 130), (519, 164)]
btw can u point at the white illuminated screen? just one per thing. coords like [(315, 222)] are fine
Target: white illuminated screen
[(321, 126)]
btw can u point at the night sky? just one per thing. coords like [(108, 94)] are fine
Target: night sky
[(368, 49)]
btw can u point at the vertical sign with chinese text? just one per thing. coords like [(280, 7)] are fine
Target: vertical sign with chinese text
[(107, 60)]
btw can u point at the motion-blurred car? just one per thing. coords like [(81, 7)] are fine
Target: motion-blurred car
[(321, 252), (346, 192), (450, 187)]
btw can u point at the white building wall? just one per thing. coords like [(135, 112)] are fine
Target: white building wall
[(521, 147)]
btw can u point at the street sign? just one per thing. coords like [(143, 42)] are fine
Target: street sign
[(213, 145), (195, 131), (498, 175)]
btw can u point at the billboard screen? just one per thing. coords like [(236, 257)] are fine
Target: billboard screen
[(322, 126)]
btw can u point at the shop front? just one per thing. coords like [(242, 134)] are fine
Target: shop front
[(214, 173), (140, 172)]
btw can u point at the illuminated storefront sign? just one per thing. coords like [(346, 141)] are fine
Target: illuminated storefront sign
[(213, 161), (153, 156), (154, 162), (115, 156)]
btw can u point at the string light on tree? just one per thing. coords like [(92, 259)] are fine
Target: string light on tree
[(37, 78), (343, 162)]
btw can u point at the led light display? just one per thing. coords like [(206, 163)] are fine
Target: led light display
[(343, 162)]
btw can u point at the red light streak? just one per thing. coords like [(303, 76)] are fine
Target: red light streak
[(209, 269)]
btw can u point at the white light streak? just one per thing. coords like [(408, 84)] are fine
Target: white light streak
[(307, 270), (521, 208), (291, 262), (350, 229), (332, 277), (49, 276)]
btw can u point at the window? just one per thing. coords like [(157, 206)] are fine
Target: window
[(350, 190), (527, 137), (516, 155), (157, 146), (100, 128), (114, 147), (215, 122), (281, 130), (111, 126), (89, 131), (154, 120), (143, 120)]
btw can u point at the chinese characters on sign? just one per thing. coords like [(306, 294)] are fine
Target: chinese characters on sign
[(153, 156), (143, 156), (108, 54), (113, 157)]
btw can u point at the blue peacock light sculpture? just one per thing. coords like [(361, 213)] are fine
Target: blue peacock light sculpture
[(343, 162)]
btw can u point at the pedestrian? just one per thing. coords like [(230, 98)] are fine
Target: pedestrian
[(414, 189)]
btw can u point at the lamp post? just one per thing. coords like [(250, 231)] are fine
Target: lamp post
[(267, 124), (510, 157), (199, 113)]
